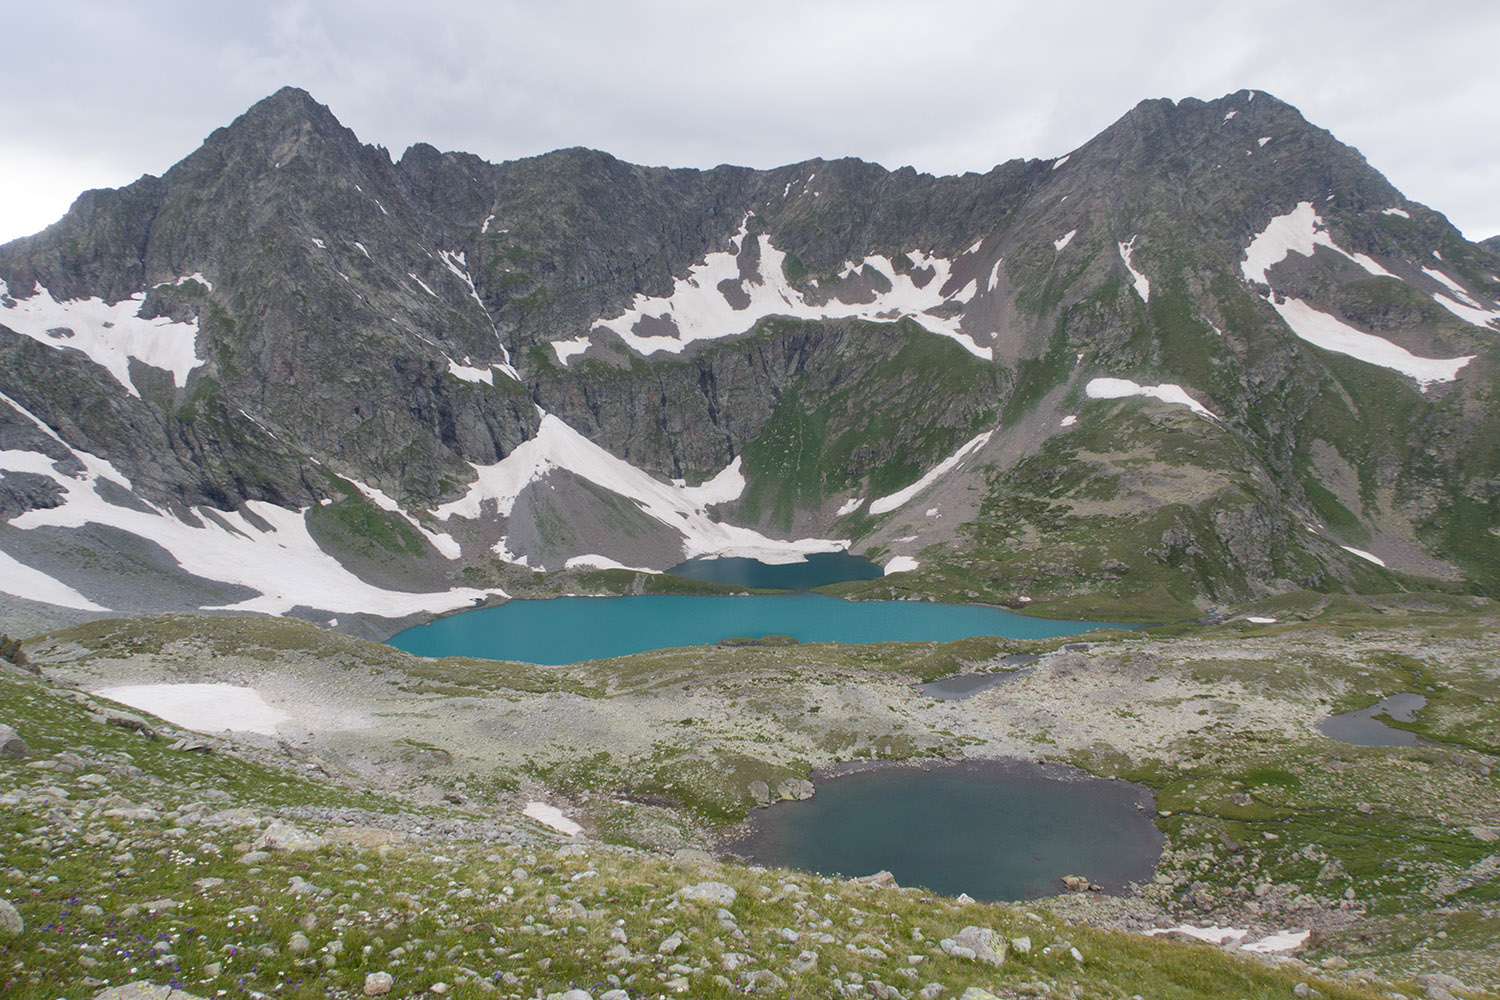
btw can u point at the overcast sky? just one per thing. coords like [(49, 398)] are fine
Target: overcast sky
[(101, 91)]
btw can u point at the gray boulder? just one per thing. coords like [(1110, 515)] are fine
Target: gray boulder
[(761, 793), (11, 924), (716, 893), (11, 744), (987, 945)]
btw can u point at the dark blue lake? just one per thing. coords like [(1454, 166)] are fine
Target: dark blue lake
[(997, 830), (816, 570), (572, 629)]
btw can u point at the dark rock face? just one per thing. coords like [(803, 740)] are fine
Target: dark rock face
[(392, 322)]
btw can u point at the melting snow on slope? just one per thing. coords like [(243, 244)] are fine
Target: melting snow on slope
[(1400, 212), (1332, 334), (444, 543), (111, 334), (1142, 286), (1272, 944), (1466, 308), (682, 508), (1300, 231), (886, 504), (1060, 160), (1119, 388), (551, 816), (698, 310), (269, 551), (1069, 420), (20, 580), (1367, 556), (204, 708), (900, 564), (1065, 239), (849, 506)]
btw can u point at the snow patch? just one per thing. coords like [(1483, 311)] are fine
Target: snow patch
[(1332, 334), (485, 226), (682, 508), (551, 816), (1459, 292), (1261, 620), (699, 310), (1229, 114), (203, 708), (468, 374), (1213, 934), (889, 503), (1120, 388), (1060, 160), (1263, 140), (1066, 238), (1367, 556), (1142, 286), (1399, 212), (178, 283), (849, 506), (269, 551), (1301, 231), (1484, 318), (419, 281), (994, 281), (900, 564), (601, 562), (1284, 941), (110, 334), (20, 580), (1069, 420)]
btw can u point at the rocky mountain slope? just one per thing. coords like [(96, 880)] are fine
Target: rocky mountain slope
[(1209, 355)]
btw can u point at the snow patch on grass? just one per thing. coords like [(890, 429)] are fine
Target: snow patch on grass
[(900, 564), (1367, 556), (444, 543), (203, 708), (849, 506), (110, 334), (886, 504), (1120, 388), (1332, 334), (551, 816)]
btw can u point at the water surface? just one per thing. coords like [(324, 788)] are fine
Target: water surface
[(961, 686), (1364, 729), (997, 830), (572, 629), (816, 570)]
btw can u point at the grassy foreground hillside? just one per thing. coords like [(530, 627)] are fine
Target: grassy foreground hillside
[(297, 866)]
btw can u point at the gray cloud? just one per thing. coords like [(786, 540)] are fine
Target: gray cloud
[(116, 90)]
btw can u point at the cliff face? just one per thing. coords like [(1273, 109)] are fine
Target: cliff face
[(289, 317)]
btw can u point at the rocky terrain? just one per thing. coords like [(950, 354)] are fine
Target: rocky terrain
[(383, 827), (1208, 356)]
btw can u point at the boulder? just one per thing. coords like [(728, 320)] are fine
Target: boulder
[(988, 945), (794, 789), (761, 793), (715, 893), (280, 836), (378, 983), (144, 990), (881, 879), (1077, 883), (130, 721), (11, 744), (11, 924)]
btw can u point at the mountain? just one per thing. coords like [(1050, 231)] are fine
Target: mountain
[(1208, 356)]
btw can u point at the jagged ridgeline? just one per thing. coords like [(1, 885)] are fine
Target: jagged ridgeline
[(1209, 355)]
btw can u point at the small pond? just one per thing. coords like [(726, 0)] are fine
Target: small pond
[(997, 830), (1364, 729), (572, 629), (816, 570), (961, 686)]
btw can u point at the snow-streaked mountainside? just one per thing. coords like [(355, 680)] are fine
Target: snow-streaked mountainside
[(1209, 355)]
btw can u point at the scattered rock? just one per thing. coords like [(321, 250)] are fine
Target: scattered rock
[(378, 983), (130, 721), (987, 945), (1021, 945), (298, 943), (11, 744), (716, 893), (670, 945), (977, 993), (881, 879), (143, 990), (11, 924), (281, 836), (794, 789), (804, 961)]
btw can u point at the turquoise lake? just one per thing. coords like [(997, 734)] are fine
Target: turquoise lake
[(995, 829), (572, 629)]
